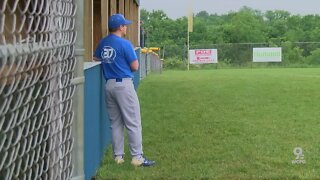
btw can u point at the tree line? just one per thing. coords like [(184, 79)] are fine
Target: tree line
[(236, 32)]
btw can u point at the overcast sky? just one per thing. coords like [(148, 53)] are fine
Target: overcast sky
[(178, 8)]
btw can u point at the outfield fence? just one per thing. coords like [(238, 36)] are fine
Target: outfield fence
[(297, 54), (150, 62)]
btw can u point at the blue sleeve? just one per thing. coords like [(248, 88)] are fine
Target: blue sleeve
[(130, 54)]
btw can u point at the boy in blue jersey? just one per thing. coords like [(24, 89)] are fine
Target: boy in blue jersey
[(119, 61)]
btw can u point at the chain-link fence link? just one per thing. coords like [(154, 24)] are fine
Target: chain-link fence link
[(294, 54), (36, 67)]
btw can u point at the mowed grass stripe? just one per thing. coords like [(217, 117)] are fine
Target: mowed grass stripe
[(227, 124)]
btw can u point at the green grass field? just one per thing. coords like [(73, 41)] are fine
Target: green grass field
[(227, 124)]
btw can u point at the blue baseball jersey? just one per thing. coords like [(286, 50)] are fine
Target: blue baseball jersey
[(116, 55)]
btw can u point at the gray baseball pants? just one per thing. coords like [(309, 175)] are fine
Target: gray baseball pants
[(124, 111)]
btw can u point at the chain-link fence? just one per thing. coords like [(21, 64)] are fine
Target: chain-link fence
[(294, 54), (150, 62), (36, 67)]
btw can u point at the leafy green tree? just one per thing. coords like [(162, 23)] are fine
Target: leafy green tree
[(314, 58), (292, 54), (203, 14), (244, 26), (272, 28)]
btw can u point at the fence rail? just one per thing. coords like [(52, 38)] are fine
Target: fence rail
[(240, 54)]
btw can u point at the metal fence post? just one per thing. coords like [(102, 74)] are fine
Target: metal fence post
[(78, 134)]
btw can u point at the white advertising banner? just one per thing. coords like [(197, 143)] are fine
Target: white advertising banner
[(203, 56), (267, 54)]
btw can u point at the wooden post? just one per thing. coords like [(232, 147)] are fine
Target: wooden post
[(121, 6), (127, 16), (113, 7), (88, 30), (136, 25), (132, 16), (104, 17)]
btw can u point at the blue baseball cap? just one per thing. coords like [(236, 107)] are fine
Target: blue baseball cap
[(116, 20)]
